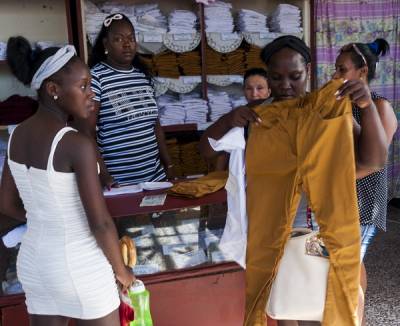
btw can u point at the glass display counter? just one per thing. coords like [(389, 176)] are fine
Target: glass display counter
[(189, 279)]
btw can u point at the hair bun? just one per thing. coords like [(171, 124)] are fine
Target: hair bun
[(374, 47), (379, 47)]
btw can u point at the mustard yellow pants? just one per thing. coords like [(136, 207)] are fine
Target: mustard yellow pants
[(303, 144)]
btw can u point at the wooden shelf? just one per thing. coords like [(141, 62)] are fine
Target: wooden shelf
[(181, 127)]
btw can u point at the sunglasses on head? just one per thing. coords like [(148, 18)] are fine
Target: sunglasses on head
[(108, 21), (353, 46)]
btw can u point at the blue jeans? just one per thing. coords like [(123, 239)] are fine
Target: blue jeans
[(368, 233)]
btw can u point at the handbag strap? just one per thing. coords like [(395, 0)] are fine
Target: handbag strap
[(309, 219)]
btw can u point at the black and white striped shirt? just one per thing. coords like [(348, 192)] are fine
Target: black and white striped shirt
[(126, 121)]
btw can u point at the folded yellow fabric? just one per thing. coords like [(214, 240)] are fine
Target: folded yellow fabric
[(208, 184)]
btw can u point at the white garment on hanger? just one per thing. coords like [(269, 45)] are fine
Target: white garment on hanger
[(234, 238)]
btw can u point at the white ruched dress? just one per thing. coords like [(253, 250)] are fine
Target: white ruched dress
[(62, 269)]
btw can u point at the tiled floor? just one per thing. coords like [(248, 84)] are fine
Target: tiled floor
[(383, 268)]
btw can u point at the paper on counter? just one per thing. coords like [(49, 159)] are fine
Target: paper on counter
[(154, 200), (123, 190)]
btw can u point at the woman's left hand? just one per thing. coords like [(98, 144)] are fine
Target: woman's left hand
[(170, 172), (357, 90)]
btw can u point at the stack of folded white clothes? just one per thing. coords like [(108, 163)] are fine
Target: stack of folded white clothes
[(196, 108), (171, 110), (237, 101), (286, 19), (47, 44), (252, 21), (182, 21), (3, 50), (218, 17), (94, 19), (112, 7), (150, 19), (219, 104)]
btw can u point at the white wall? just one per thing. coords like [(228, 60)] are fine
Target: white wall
[(36, 20)]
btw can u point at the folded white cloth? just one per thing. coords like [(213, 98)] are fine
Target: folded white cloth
[(14, 237)]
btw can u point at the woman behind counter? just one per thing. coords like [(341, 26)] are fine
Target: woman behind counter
[(129, 135)]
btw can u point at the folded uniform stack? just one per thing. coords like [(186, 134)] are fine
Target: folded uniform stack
[(286, 19), (218, 17), (189, 63), (225, 63), (235, 61), (171, 110), (174, 153), (190, 160), (94, 18), (253, 59), (219, 104), (150, 19), (182, 21), (252, 21), (166, 65), (196, 109)]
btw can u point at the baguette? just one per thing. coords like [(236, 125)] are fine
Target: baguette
[(128, 251)]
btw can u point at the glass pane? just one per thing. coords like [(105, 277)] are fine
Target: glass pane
[(172, 240)]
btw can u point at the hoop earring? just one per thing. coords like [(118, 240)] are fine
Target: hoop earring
[(55, 97), (105, 52)]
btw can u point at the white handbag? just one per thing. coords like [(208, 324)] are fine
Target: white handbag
[(299, 289)]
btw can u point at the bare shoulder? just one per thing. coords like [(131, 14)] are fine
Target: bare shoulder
[(383, 104), (78, 145)]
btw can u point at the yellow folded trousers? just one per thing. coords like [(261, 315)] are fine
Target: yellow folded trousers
[(303, 144)]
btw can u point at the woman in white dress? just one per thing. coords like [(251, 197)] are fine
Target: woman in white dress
[(69, 262)]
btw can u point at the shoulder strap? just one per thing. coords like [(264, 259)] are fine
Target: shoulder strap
[(54, 144), (9, 142)]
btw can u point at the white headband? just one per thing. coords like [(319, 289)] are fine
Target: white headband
[(52, 64)]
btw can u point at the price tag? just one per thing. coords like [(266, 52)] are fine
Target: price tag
[(182, 37), (229, 36), (155, 200), (152, 38)]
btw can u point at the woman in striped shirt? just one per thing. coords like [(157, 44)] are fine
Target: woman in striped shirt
[(129, 136)]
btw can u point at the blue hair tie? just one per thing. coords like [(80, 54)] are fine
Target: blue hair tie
[(373, 47)]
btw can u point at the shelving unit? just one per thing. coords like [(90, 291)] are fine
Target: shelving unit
[(166, 7)]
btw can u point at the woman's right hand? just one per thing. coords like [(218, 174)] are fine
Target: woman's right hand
[(241, 116), (125, 279), (107, 181)]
